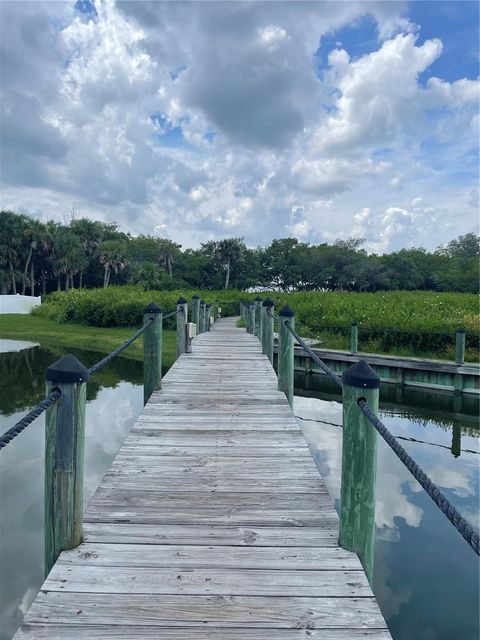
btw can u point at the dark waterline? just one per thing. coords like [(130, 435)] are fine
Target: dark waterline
[(426, 578)]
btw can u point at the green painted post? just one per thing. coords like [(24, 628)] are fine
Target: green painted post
[(200, 316), (182, 315), (152, 351), (285, 353), (64, 452), (460, 345), (196, 311), (215, 311), (354, 338), (208, 313), (252, 318), (359, 452), (258, 317), (267, 328)]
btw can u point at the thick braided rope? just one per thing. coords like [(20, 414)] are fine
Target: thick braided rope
[(458, 521), (169, 315), (22, 424), (101, 363), (272, 315), (331, 374)]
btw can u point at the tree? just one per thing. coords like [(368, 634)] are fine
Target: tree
[(467, 246), (113, 256)]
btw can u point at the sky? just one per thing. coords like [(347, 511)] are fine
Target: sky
[(204, 120)]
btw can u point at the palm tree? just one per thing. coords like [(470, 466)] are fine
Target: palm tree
[(113, 256), (167, 251), (228, 253), (90, 233)]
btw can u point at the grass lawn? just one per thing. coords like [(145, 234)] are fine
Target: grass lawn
[(52, 334)]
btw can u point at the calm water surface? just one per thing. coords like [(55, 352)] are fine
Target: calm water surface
[(426, 577)]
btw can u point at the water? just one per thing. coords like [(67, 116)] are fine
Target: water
[(426, 577), (114, 400)]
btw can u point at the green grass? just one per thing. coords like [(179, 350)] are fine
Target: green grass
[(52, 334)]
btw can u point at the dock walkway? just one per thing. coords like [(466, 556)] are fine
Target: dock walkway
[(212, 522)]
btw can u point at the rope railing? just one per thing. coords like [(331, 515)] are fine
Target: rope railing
[(173, 313), (442, 502), (450, 511), (108, 358), (331, 374), (22, 424)]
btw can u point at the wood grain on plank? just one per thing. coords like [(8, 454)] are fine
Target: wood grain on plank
[(212, 521)]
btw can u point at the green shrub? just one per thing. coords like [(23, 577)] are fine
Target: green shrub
[(418, 321)]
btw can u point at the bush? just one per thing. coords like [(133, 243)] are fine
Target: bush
[(418, 320)]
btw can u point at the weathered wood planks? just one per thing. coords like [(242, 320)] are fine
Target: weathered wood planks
[(212, 522)]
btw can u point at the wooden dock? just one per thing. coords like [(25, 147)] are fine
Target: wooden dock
[(212, 522)]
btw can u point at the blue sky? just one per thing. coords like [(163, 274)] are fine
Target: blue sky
[(263, 120)]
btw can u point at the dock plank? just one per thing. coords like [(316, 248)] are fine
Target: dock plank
[(212, 521)]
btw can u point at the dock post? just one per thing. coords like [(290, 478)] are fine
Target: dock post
[(258, 318), (242, 314), (201, 325), (64, 452), (196, 311), (152, 351), (182, 315), (251, 324), (354, 338), (460, 345), (359, 453), (285, 353), (267, 328), (208, 313)]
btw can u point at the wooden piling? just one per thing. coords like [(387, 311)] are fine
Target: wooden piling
[(182, 315), (460, 345), (267, 328), (359, 451), (251, 318), (152, 351), (354, 338), (201, 325), (195, 314), (208, 313), (258, 318), (285, 353), (64, 453)]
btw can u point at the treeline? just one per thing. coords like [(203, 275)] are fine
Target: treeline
[(37, 258)]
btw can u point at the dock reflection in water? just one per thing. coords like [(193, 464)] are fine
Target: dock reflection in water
[(426, 576)]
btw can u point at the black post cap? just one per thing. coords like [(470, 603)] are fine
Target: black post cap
[(361, 375), (152, 308), (258, 299), (268, 302), (354, 323), (67, 369), (208, 305), (181, 300), (460, 330), (203, 302), (196, 297), (286, 312)]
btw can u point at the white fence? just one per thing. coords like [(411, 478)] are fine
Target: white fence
[(18, 303)]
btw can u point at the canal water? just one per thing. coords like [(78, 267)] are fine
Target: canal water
[(426, 577)]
